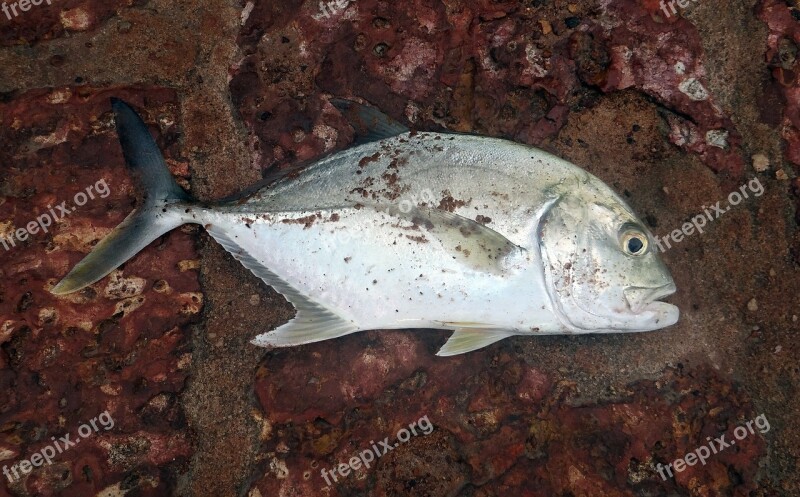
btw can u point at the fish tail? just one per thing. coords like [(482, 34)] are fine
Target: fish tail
[(157, 215)]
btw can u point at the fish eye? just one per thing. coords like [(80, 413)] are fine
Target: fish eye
[(634, 242)]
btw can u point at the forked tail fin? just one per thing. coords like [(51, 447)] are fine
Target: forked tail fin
[(149, 221)]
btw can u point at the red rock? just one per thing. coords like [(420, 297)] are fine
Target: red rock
[(490, 71), (53, 18), (115, 346)]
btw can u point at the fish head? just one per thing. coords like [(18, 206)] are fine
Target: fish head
[(601, 266)]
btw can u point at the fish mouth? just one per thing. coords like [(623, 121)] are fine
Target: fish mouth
[(642, 299)]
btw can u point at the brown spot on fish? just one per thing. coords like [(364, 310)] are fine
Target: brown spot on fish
[(390, 179), (484, 220), (401, 225), (418, 239), (504, 196), (306, 221), (367, 182), (348, 259), (392, 195), (366, 160), (334, 217), (449, 204), (418, 220), (362, 191)]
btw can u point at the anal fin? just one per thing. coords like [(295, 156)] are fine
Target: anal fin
[(313, 322), (468, 339)]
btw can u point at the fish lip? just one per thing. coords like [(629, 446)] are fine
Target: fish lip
[(641, 299)]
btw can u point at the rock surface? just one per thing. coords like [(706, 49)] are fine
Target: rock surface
[(670, 110)]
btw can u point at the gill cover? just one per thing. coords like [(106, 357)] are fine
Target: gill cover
[(601, 270)]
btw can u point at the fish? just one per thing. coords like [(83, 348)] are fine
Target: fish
[(412, 229)]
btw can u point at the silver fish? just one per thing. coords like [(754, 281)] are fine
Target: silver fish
[(482, 236)]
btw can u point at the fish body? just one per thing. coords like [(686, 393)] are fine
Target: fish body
[(482, 236)]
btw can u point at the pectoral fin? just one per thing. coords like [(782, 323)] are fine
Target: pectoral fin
[(476, 246), (468, 339)]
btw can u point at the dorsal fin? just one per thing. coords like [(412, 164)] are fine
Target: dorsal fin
[(369, 123), (271, 177)]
